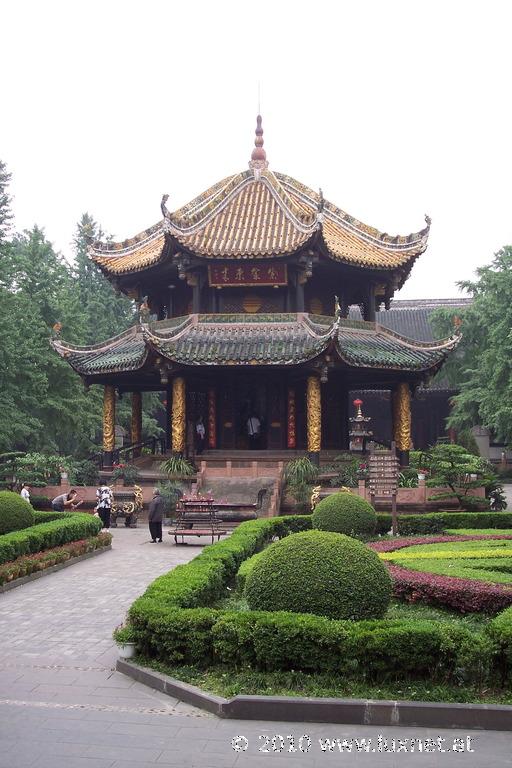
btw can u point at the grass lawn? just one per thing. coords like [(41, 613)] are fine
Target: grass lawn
[(396, 610), (228, 682), (479, 531), (486, 560)]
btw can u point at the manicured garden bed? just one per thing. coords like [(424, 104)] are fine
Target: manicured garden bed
[(41, 561), (227, 682), (431, 570), (54, 538), (179, 623)]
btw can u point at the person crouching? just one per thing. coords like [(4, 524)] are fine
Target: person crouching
[(155, 516)]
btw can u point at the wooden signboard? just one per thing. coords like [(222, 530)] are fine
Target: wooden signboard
[(252, 274)]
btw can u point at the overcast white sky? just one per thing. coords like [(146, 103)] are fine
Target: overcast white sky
[(395, 109)]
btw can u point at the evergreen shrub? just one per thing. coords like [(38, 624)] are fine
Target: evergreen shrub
[(345, 513), (319, 572), (172, 625), (245, 569), (500, 630), (65, 528), (15, 512), (437, 522)]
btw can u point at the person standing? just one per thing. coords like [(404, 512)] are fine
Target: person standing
[(104, 506), (200, 435), (25, 492), (155, 516), (253, 430)]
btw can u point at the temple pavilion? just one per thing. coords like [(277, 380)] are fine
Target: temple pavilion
[(243, 298)]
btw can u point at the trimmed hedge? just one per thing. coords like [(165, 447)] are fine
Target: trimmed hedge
[(372, 649), (463, 595), (345, 513), (500, 631), (245, 569), (15, 512), (27, 564), (171, 625), (40, 502), (60, 528), (323, 573), (437, 522)]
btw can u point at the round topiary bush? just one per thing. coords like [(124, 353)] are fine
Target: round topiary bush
[(345, 513), (323, 573), (15, 512)]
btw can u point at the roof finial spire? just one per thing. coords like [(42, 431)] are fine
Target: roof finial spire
[(258, 160)]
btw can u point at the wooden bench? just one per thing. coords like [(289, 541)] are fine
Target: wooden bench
[(196, 518)]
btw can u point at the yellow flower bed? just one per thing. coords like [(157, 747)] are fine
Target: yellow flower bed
[(447, 554)]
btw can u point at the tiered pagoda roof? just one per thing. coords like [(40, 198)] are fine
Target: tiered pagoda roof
[(259, 214), (274, 340)]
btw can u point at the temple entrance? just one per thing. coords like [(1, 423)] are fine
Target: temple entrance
[(251, 413)]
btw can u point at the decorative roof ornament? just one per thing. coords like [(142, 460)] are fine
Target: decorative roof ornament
[(163, 206), (258, 161), (320, 207), (56, 330)]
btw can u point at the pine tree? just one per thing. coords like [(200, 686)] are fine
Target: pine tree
[(6, 216), (106, 312)]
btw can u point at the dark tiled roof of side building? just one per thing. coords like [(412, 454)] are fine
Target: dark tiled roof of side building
[(411, 317)]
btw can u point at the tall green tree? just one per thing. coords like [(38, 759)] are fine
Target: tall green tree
[(106, 312), (43, 404), (481, 368), (47, 402), (6, 216)]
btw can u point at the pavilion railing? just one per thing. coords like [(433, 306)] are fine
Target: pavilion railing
[(153, 446)]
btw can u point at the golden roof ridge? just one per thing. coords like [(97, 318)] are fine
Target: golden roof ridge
[(348, 222), (119, 248), (224, 196)]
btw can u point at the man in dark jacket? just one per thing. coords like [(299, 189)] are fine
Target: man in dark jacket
[(155, 516)]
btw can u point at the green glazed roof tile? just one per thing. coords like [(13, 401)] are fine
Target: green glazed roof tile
[(284, 339)]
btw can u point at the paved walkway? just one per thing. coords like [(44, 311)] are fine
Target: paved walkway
[(63, 706)]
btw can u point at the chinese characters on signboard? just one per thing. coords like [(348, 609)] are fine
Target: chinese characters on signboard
[(248, 274)]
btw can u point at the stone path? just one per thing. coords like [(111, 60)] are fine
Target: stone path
[(63, 706)]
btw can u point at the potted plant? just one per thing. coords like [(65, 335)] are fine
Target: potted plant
[(422, 474), (124, 636)]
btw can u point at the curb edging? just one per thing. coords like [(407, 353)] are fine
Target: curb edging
[(52, 569), (420, 714)]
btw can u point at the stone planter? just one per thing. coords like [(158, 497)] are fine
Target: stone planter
[(126, 650)]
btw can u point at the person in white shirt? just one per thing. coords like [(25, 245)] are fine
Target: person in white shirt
[(25, 492), (105, 499), (200, 435)]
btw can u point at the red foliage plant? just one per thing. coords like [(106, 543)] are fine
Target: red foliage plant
[(463, 595)]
